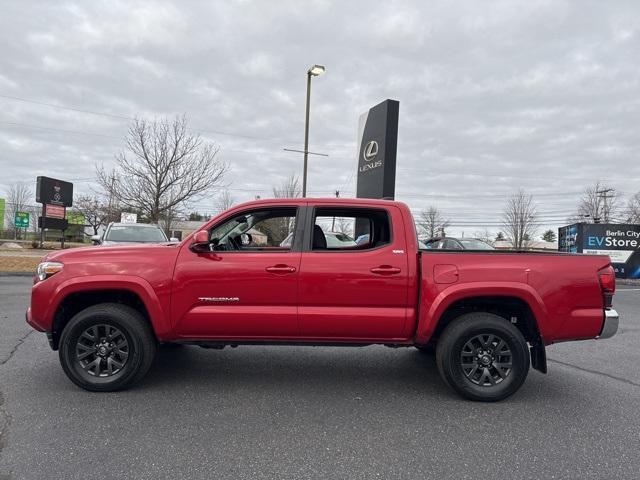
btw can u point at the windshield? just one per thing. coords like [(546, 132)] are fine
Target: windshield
[(474, 244), (135, 234)]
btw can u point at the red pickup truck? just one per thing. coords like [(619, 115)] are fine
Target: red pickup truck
[(264, 273)]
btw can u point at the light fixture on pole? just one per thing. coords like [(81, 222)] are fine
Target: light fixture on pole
[(314, 71)]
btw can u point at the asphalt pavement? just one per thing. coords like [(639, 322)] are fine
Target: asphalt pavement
[(317, 412)]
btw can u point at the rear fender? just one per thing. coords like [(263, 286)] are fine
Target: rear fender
[(431, 312)]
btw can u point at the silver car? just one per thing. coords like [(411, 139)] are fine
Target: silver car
[(130, 233), (334, 240)]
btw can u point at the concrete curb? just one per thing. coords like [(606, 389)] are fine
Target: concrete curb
[(627, 281)]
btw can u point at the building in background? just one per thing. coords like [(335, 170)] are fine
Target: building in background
[(76, 231), (181, 228), (620, 241)]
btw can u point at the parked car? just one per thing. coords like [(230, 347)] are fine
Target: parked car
[(362, 239), (131, 233), (489, 314), (449, 243), (334, 239)]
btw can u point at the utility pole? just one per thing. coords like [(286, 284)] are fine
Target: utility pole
[(333, 222), (604, 194), (110, 203)]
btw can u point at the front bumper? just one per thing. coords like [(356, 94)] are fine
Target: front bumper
[(610, 325), (29, 317), (32, 321)]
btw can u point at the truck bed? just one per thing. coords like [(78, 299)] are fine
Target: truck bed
[(562, 290)]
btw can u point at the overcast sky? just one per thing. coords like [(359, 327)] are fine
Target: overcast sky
[(494, 96)]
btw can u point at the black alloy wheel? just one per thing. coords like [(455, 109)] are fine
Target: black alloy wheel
[(102, 350), (486, 360), (107, 347), (483, 357)]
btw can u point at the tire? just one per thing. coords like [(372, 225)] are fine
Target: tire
[(483, 357), (107, 347)]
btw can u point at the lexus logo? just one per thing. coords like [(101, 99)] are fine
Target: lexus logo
[(370, 150)]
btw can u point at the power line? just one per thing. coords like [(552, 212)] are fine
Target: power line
[(62, 107), (79, 132), (75, 132), (130, 118)]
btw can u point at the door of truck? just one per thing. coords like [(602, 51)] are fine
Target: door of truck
[(247, 286), (353, 274)]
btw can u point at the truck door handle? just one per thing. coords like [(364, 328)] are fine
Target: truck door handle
[(280, 268), (385, 270)]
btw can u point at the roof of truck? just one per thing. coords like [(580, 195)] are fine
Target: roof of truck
[(330, 200)]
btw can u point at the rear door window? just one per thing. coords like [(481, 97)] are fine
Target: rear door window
[(350, 229)]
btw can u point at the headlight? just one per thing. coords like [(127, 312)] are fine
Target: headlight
[(46, 269)]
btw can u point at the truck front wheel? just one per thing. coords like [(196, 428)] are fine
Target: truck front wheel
[(483, 357), (107, 347)]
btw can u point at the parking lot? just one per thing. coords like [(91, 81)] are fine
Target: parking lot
[(320, 412)]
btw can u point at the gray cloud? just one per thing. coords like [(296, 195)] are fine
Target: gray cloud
[(494, 96)]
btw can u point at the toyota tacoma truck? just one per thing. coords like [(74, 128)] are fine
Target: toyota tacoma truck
[(487, 315)]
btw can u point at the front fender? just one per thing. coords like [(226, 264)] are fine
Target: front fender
[(432, 310), (134, 284)]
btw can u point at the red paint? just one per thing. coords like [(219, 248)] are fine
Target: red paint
[(392, 294)]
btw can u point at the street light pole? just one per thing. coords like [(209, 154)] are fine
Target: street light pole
[(312, 72), (306, 136)]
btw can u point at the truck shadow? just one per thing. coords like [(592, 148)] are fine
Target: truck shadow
[(301, 369)]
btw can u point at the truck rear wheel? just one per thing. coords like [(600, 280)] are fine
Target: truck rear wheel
[(483, 357), (107, 347)]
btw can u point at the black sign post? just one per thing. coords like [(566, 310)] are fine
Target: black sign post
[(58, 193), (377, 146)]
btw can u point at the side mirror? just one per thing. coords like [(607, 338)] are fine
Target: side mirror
[(96, 239), (200, 242)]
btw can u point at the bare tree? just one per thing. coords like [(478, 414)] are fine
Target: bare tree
[(633, 209), (344, 225), (18, 198), (598, 204), (95, 213), (225, 201), (484, 235), (162, 168), (34, 212), (289, 188), (432, 222), (519, 219), (167, 219)]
